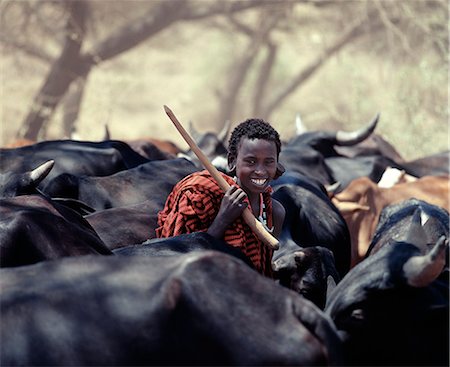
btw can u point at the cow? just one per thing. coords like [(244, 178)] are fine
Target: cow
[(374, 145), (73, 157), (392, 176), (213, 146), (22, 183), (128, 225), (306, 153), (311, 218), (363, 200), (200, 308), (432, 165), (154, 149), (34, 228), (152, 180), (182, 244), (314, 242), (393, 307), (19, 143), (344, 170)]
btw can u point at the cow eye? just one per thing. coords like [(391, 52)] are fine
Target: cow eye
[(357, 314)]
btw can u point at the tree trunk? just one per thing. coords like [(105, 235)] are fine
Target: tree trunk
[(239, 72), (71, 65), (263, 79), (71, 106), (61, 73)]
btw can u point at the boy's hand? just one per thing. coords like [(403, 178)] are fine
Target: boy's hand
[(231, 208)]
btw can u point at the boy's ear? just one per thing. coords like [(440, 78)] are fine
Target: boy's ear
[(280, 170), (231, 164)]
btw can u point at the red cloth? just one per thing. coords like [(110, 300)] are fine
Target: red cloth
[(194, 203)]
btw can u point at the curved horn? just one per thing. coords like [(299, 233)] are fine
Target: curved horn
[(106, 134), (422, 270), (223, 134), (39, 173), (300, 127), (345, 138), (331, 189), (194, 132)]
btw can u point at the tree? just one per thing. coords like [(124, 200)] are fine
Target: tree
[(72, 64)]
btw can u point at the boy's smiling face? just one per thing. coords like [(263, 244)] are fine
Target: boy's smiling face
[(256, 164)]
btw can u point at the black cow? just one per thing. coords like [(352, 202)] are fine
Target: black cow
[(34, 228), (212, 145), (24, 183), (315, 247), (392, 308), (182, 244), (374, 145), (152, 180), (201, 308), (124, 226), (306, 153), (311, 218), (344, 170), (433, 165), (71, 156)]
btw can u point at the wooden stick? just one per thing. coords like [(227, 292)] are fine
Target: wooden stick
[(248, 216)]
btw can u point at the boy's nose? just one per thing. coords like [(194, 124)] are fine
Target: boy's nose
[(260, 169)]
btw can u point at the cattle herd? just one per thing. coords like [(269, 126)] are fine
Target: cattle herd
[(361, 275)]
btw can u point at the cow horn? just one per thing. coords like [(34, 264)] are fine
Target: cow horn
[(331, 189), (299, 256), (300, 127), (106, 134), (39, 173), (345, 138), (223, 134), (194, 132), (424, 269)]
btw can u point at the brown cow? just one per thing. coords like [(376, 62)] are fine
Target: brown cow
[(19, 143), (362, 201)]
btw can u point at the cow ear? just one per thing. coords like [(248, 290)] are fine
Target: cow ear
[(348, 207), (299, 257), (331, 284)]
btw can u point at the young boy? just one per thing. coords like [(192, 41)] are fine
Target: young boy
[(196, 203)]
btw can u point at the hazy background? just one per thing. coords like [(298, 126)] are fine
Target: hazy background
[(211, 62)]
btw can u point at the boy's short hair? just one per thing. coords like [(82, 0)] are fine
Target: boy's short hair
[(253, 129)]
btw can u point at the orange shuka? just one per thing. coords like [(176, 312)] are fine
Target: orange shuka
[(194, 203)]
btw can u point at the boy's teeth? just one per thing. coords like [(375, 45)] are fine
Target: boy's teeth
[(259, 182)]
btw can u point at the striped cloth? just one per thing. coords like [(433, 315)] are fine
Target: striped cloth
[(194, 203)]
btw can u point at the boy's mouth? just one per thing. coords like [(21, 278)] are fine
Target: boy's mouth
[(259, 181)]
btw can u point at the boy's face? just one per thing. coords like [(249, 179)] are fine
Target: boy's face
[(256, 164)]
